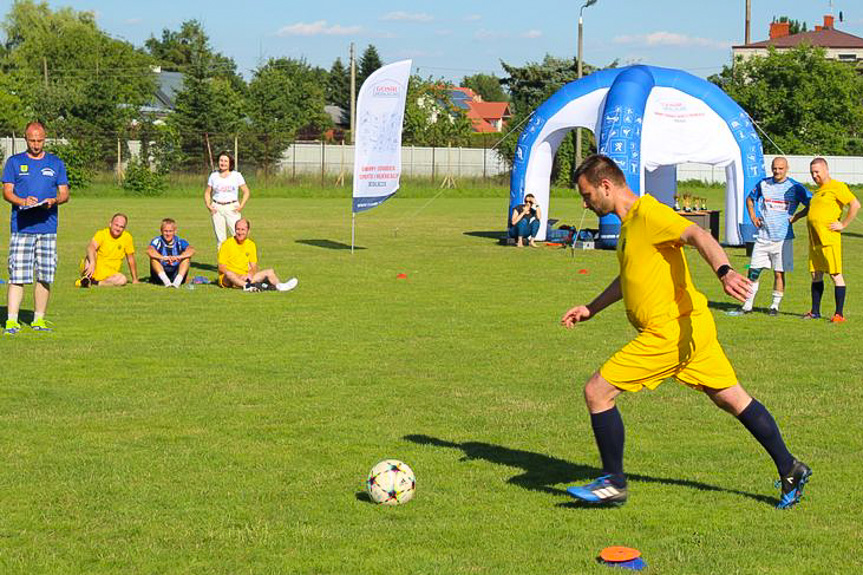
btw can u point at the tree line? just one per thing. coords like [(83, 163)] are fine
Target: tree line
[(93, 90)]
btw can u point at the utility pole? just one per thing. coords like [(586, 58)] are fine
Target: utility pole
[(353, 94), (747, 37)]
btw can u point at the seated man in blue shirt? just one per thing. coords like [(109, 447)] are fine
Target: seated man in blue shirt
[(170, 256)]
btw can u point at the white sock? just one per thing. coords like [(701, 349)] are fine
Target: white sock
[(747, 305), (178, 281), (164, 277), (37, 316), (777, 297), (12, 317)]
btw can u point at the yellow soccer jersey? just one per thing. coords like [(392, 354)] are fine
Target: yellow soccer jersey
[(825, 207), (654, 277), (237, 257), (110, 253)]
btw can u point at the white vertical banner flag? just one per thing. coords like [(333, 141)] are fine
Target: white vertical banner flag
[(378, 141)]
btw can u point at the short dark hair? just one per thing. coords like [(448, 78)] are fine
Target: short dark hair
[(230, 159), (167, 221), (597, 167), (818, 160), (121, 215)]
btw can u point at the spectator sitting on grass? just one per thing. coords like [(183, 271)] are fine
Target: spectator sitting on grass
[(238, 264), (524, 222), (170, 256), (105, 256)]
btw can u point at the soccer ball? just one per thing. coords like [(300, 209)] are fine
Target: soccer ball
[(391, 482)]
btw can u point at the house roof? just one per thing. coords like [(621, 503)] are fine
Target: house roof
[(825, 38), (168, 85), (491, 110)]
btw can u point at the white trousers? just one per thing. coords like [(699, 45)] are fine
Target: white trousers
[(226, 216)]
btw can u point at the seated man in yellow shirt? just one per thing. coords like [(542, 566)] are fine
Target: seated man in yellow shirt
[(238, 264), (105, 254)]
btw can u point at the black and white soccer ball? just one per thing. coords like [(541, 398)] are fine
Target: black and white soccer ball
[(391, 482)]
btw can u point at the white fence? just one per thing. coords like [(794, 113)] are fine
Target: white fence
[(332, 159), (848, 169)]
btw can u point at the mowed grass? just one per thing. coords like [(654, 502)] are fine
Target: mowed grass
[(213, 431)]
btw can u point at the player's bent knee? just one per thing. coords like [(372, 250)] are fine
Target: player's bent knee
[(599, 394)]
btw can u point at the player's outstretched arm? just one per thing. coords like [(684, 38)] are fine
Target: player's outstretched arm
[(733, 283), (581, 313)]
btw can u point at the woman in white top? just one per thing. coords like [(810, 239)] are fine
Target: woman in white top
[(222, 197)]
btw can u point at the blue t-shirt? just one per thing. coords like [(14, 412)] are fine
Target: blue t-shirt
[(38, 178), (175, 248), (775, 203)]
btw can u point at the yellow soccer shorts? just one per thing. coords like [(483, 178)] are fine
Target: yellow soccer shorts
[(686, 349), (825, 259)]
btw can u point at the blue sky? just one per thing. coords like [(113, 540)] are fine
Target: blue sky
[(452, 39)]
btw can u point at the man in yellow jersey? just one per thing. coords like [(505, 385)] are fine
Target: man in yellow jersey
[(825, 238), (676, 333), (105, 254), (238, 264)]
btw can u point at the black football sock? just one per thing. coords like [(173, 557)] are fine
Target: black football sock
[(609, 433), (817, 292), (758, 421), (839, 291)]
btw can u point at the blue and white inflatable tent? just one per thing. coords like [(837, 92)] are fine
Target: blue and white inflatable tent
[(648, 120)]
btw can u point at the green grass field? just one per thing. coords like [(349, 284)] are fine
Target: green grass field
[(213, 431)]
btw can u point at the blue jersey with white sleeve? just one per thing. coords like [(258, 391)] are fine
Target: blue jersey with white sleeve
[(775, 202), (40, 179), (175, 248)]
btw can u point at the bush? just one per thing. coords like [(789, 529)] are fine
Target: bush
[(80, 157), (140, 180)]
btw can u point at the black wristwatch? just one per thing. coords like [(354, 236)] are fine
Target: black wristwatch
[(723, 270)]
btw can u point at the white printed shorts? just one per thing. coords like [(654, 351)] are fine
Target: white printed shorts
[(777, 255), (32, 256)]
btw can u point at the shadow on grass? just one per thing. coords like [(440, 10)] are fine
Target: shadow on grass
[(499, 236), (205, 267), (724, 305), (542, 472), (852, 234), (329, 244), (24, 315)]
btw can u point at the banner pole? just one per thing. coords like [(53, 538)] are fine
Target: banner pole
[(353, 230)]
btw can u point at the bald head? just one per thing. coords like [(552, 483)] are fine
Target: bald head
[(779, 168)]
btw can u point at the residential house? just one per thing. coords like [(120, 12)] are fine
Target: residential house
[(838, 45)]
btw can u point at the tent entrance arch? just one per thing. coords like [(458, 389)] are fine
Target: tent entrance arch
[(648, 120)]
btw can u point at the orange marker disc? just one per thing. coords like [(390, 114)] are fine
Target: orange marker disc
[(617, 554)]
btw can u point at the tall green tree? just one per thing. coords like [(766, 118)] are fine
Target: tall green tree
[(285, 97), (176, 49), (209, 110), (805, 103), (487, 86), (339, 85), (79, 81), (794, 26), (369, 62)]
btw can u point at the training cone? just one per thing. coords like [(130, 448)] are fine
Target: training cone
[(624, 557), (582, 271), (402, 276)]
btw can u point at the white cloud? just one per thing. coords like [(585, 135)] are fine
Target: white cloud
[(484, 34), (663, 38), (473, 17), (443, 32), (532, 34), (318, 28), (408, 16)]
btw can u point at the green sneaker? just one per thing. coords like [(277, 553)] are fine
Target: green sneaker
[(40, 325), (12, 327)]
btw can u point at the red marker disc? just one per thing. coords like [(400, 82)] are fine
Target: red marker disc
[(617, 554)]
